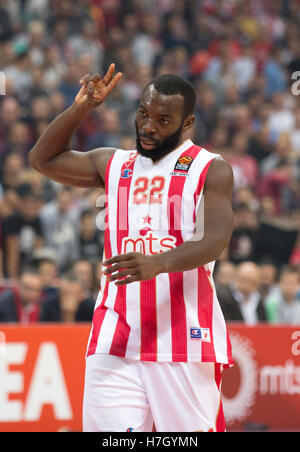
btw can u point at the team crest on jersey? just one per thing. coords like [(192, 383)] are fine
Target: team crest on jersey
[(183, 163)]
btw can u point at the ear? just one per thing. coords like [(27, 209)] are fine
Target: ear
[(189, 122)]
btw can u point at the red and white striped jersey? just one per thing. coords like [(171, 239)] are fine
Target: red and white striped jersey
[(151, 208)]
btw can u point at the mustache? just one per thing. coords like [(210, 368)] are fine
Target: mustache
[(149, 137)]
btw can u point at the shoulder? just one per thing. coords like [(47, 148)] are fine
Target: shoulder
[(105, 154), (219, 176), (102, 156)]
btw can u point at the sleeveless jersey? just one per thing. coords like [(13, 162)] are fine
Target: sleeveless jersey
[(151, 208)]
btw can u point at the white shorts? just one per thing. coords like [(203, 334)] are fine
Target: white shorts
[(128, 395)]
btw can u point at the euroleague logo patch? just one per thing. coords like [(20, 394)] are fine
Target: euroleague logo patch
[(183, 163)]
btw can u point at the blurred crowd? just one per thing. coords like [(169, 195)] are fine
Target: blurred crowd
[(244, 60)]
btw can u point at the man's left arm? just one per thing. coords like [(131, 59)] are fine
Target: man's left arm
[(216, 234)]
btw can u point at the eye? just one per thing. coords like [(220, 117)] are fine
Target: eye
[(164, 122)]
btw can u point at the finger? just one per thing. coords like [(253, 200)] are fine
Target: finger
[(84, 79), (114, 82), (109, 74), (90, 89), (123, 273), (117, 258), (120, 266), (95, 78), (128, 280)]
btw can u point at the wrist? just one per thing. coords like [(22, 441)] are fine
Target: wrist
[(160, 263), (80, 111)]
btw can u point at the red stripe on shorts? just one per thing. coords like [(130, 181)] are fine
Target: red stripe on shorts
[(220, 420)]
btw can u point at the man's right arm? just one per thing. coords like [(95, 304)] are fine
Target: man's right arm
[(52, 154)]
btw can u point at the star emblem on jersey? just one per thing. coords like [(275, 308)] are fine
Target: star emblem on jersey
[(147, 219)]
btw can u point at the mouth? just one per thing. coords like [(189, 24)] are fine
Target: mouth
[(147, 144)]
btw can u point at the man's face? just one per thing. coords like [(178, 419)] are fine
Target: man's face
[(30, 288), (160, 123)]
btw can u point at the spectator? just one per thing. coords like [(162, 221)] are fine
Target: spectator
[(24, 303), (268, 278), (19, 74), (6, 26), (91, 240), (84, 272), (281, 153), (241, 301), (243, 240), (260, 146), (10, 112), (108, 136), (281, 118), (295, 135), (274, 185), (49, 273), (283, 305), (244, 67), (275, 74), (19, 139), (60, 227), (22, 233), (240, 159), (12, 166), (70, 305), (86, 42), (225, 273)]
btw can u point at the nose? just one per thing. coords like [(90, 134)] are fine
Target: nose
[(149, 127)]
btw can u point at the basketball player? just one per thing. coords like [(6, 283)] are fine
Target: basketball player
[(158, 342)]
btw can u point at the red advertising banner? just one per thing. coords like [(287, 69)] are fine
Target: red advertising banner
[(42, 377), (262, 390)]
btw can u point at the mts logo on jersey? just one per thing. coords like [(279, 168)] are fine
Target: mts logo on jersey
[(148, 243)]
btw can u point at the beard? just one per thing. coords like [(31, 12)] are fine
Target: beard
[(162, 147)]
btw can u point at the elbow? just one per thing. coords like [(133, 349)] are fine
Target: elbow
[(33, 161), (221, 245), (218, 246)]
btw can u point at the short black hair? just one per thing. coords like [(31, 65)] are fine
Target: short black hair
[(170, 84)]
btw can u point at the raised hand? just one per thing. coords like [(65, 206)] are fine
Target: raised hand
[(95, 90)]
